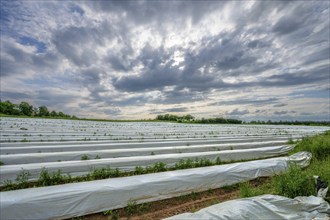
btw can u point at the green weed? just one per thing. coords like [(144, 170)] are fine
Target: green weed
[(112, 214), (318, 145), (131, 208), (297, 181), (84, 157), (293, 183), (22, 178)]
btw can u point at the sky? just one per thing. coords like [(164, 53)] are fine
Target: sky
[(250, 60)]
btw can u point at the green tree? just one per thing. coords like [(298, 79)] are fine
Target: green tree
[(7, 108), (61, 114), (25, 108), (160, 117), (53, 114), (188, 117), (43, 111)]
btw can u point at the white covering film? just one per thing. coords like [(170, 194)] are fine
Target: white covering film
[(78, 199), (263, 207), (49, 147), (37, 130), (75, 168), (23, 158)]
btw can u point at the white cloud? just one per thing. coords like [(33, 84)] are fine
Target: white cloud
[(130, 59)]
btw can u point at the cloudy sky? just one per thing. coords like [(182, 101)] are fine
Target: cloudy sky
[(136, 59)]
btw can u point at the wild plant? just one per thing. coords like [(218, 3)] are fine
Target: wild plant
[(84, 157), (131, 208)]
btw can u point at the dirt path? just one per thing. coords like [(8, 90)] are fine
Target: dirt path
[(169, 207), (173, 206)]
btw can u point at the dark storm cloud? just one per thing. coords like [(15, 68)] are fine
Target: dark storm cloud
[(300, 17), (112, 111), (288, 24), (306, 113), (238, 112), (90, 76), (235, 61), (136, 100), (280, 112), (255, 102), (120, 62), (280, 105), (15, 60), (176, 109), (48, 98), (155, 75), (71, 42), (14, 95), (258, 111), (283, 112), (258, 44), (300, 77), (180, 96)]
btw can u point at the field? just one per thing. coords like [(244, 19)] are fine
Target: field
[(145, 161)]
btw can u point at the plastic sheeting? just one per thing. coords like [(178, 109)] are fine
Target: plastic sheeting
[(49, 147), (94, 129), (127, 152), (76, 199), (32, 132), (76, 168), (263, 207)]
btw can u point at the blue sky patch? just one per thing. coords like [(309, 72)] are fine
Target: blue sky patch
[(313, 93), (41, 46), (77, 9)]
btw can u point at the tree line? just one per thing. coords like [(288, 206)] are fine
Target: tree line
[(269, 122), (25, 109), (190, 118)]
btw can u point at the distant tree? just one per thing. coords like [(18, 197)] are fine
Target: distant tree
[(188, 117), (53, 113), (7, 107), (43, 111), (25, 108), (160, 117), (61, 114)]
